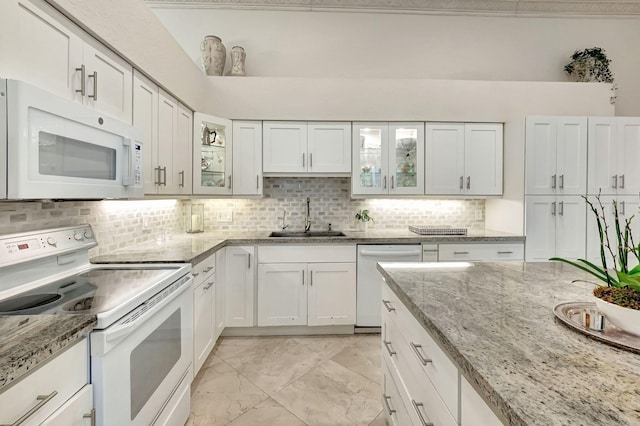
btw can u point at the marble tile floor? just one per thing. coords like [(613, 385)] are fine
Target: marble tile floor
[(290, 381)]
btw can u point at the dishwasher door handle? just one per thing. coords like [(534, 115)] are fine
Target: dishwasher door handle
[(390, 253)]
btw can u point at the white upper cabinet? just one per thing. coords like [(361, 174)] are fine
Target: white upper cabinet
[(247, 158), (556, 155), (212, 155), (614, 149), (58, 56), (388, 158), (145, 118), (464, 159), (295, 147)]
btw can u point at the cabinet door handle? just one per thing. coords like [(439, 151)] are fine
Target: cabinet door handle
[(95, 85), (417, 406), (311, 278), (83, 85), (385, 182), (553, 181), (390, 410), (181, 174), (311, 160), (302, 273), (468, 182), (91, 415), (387, 344), (622, 204), (621, 181), (229, 181), (562, 181), (248, 260), (43, 400), (387, 304), (505, 252), (461, 182), (422, 359), (460, 252), (302, 160), (561, 210), (257, 181), (162, 171), (615, 181), (208, 286), (158, 180), (392, 181), (553, 208)]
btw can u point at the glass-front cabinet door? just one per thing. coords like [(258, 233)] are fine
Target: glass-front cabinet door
[(370, 158), (406, 158), (212, 155)]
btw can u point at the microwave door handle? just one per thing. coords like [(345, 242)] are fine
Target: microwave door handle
[(128, 159)]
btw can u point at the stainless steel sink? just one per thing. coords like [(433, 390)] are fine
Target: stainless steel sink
[(308, 234)]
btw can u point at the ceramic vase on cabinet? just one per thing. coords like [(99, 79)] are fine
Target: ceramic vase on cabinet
[(238, 56), (214, 55)]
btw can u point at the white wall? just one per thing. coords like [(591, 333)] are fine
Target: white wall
[(356, 45)]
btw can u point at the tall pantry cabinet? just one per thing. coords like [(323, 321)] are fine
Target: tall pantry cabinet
[(556, 176)]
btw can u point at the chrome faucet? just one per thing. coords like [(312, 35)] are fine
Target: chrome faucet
[(284, 216), (307, 220)]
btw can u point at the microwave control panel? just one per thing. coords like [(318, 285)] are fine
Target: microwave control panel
[(137, 164)]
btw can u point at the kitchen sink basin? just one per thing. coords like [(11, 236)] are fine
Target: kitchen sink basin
[(309, 234)]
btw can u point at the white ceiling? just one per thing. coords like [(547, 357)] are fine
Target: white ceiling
[(578, 8)]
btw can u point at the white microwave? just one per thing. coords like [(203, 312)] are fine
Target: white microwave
[(54, 148)]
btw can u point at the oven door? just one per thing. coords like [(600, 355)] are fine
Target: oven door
[(61, 149), (138, 363)]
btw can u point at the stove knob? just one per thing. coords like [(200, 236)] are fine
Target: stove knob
[(51, 241), (77, 236), (88, 234)]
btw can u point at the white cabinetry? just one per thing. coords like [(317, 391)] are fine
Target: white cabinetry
[(221, 276), (556, 155), (614, 149), (212, 155), (473, 409), (58, 389), (310, 285), (388, 159), (481, 252), (239, 286), (299, 147), (556, 226), (247, 158), (60, 57), (463, 159), (204, 310), (166, 125)]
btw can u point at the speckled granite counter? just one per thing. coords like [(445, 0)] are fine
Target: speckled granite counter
[(496, 322), (195, 247), (28, 341)]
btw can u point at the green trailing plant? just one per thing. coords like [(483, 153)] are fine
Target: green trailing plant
[(363, 216), (621, 250), (591, 64)]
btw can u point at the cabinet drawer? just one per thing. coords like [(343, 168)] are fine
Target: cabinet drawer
[(392, 400), (300, 253), (50, 386), (421, 354), (481, 252), (203, 269), (75, 412)]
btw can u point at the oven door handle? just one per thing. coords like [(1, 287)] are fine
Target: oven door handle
[(103, 341)]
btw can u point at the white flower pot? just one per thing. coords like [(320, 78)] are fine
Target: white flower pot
[(625, 319)]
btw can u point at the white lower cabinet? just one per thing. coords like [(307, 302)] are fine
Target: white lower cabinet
[(221, 273), (55, 394), (204, 310), (422, 385), (239, 286), (481, 252), (312, 285)]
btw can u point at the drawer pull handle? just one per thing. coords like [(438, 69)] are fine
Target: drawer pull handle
[(208, 286), (422, 359), (92, 416), (195, 274), (207, 269), (386, 402), (387, 344), (43, 400), (387, 304), (417, 406), (505, 252), (460, 252)]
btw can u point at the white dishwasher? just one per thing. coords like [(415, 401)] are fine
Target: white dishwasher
[(369, 281)]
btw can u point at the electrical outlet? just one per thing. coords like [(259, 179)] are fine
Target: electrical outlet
[(478, 214), (225, 216)]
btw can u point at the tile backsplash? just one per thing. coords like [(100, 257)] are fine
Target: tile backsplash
[(121, 223)]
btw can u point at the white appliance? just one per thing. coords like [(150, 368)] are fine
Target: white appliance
[(52, 147), (142, 345), (369, 281)]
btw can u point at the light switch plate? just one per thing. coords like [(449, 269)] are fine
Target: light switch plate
[(225, 216), (478, 214)]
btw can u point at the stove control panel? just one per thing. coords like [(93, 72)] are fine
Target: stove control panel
[(16, 248)]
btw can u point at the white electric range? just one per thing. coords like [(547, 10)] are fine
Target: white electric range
[(141, 348)]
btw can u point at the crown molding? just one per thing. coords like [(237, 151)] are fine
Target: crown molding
[(529, 8)]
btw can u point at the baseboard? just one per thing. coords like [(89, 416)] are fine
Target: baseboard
[(301, 330)]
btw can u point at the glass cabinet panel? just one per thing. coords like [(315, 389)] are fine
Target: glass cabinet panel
[(370, 155), (212, 155), (405, 150)]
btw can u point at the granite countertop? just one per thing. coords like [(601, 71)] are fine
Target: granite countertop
[(192, 248), (29, 341), (496, 322)]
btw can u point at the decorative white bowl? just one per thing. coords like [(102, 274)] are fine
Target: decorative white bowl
[(625, 319)]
